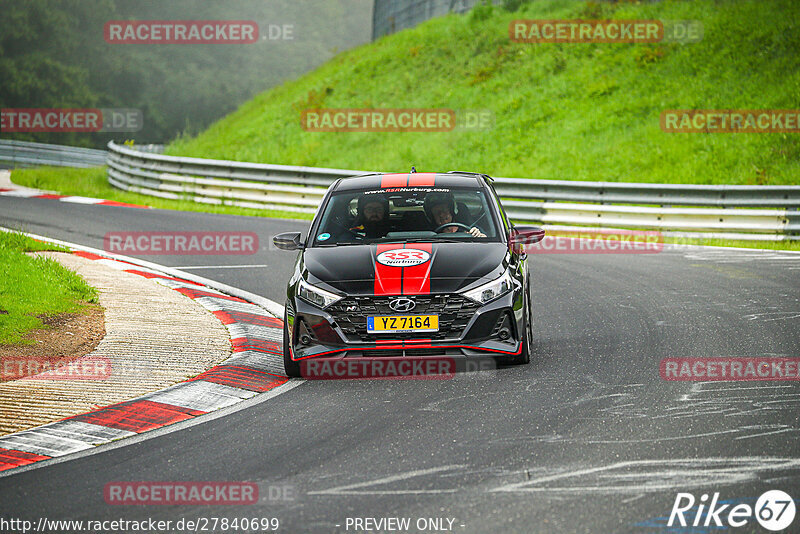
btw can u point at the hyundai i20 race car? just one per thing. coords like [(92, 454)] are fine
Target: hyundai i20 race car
[(409, 265)]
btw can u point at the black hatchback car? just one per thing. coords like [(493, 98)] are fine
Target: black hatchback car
[(409, 265)]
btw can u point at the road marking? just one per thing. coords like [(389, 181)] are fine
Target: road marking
[(781, 431), (82, 200), (780, 316), (647, 476), (349, 489), (258, 265)]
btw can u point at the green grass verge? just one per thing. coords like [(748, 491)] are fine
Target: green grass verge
[(93, 183), (31, 287), (563, 111)]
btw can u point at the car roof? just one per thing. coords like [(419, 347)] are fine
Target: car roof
[(410, 179)]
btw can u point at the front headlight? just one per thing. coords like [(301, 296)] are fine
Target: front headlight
[(315, 295), (491, 290)]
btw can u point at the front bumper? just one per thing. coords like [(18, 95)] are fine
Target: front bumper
[(316, 333)]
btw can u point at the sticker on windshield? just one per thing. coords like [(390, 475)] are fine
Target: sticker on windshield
[(403, 257), (324, 237), (411, 189)]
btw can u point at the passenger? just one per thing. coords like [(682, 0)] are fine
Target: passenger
[(440, 209), (373, 216)]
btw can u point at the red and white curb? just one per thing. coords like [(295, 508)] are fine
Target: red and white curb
[(256, 366), (32, 193)]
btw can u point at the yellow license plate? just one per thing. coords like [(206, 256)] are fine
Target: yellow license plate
[(402, 323)]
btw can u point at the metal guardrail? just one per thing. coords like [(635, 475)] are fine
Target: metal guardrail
[(739, 212), (26, 154), (233, 183)]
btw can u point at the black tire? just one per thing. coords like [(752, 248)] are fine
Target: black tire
[(525, 356), (291, 367)]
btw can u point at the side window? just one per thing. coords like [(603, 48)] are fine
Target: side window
[(339, 215)]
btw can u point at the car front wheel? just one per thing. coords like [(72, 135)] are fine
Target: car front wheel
[(291, 367), (524, 356)]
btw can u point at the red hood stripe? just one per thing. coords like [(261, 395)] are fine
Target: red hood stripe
[(417, 279), (388, 280), (414, 280)]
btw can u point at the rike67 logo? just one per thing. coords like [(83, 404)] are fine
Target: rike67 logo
[(774, 510)]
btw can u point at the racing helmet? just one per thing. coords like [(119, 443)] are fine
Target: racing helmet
[(432, 199)]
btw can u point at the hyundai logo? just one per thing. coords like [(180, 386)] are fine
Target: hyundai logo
[(402, 305)]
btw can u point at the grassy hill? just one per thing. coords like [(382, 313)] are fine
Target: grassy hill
[(564, 111)]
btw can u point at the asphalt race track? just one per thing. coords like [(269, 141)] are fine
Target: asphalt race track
[(588, 438)]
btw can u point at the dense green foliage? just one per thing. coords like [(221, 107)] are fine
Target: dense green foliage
[(565, 111), (53, 54)]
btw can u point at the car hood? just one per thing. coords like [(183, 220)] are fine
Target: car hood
[(404, 269)]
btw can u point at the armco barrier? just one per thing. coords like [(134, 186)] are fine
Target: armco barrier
[(26, 154), (730, 211), (708, 211)]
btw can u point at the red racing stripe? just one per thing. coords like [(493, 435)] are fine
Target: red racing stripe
[(417, 279), (388, 280), (418, 343), (419, 179), (389, 344), (394, 180)]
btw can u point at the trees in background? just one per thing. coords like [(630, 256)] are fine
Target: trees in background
[(53, 55)]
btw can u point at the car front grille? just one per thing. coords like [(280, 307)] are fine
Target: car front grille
[(454, 313)]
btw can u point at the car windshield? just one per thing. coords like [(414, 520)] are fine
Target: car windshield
[(415, 213)]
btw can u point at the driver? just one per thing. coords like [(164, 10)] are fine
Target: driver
[(440, 209), (373, 216)]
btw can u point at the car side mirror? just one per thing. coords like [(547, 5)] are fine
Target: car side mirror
[(526, 235), (288, 241)]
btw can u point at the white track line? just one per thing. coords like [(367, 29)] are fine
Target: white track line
[(221, 266)]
